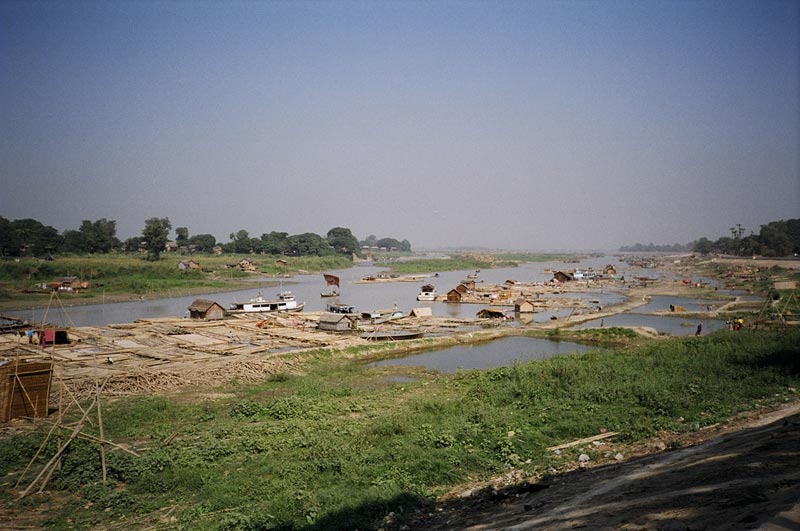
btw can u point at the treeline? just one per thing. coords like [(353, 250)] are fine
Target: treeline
[(29, 237), (777, 238), (652, 248)]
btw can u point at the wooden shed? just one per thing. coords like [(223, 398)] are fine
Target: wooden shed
[(337, 322), (24, 388), (523, 305), (562, 277), (454, 295), (206, 309), (468, 284)]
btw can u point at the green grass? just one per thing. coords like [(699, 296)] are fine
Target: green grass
[(118, 275), (341, 446)]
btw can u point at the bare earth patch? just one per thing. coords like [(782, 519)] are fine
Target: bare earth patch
[(743, 475)]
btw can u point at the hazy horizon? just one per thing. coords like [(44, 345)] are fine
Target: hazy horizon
[(535, 125)]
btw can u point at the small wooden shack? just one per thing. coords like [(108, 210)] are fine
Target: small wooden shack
[(337, 322), (24, 388), (454, 295), (468, 284), (421, 312), (560, 276), (185, 265), (523, 305), (206, 309)]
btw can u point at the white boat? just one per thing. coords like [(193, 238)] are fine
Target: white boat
[(284, 303), (427, 293)]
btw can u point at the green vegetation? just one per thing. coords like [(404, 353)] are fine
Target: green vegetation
[(342, 445), (124, 275), (29, 237)]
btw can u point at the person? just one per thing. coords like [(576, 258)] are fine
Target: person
[(699, 329)]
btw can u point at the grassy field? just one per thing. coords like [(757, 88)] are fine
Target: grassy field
[(342, 445), (119, 276)]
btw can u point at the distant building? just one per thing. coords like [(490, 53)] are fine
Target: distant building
[(184, 265), (560, 276), (523, 305), (337, 322), (454, 295), (206, 309)]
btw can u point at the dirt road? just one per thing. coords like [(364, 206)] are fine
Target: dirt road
[(744, 475)]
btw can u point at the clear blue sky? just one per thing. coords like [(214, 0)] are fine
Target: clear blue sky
[(535, 125)]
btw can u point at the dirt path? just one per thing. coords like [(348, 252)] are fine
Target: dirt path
[(744, 475)]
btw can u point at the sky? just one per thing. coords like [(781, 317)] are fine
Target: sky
[(529, 125)]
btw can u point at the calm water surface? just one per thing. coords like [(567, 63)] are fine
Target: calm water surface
[(498, 353), (307, 288)]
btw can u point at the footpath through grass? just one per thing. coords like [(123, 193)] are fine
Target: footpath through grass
[(344, 444)]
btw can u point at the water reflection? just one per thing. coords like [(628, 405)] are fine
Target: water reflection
[(498, 353), (665, 324)]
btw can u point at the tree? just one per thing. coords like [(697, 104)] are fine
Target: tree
[(99, 236), (703, 246), (343, 241), (181, 236), (131, 245), (371, 240), (241, 242), (203, 243), (27, 237), (156, 235), (275, 242), (775, 240), (309, 244)]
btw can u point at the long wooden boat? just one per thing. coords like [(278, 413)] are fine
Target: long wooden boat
[(392, 335), (284, 303)]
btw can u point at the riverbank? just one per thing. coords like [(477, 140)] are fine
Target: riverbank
[(272, 405)]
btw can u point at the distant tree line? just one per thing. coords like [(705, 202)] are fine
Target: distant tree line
[(652, 248), (29, 237), (777, 238), (386, 243)]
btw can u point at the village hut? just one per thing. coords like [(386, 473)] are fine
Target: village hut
[(185, 265), (523, 305), (468, 284), (244, 264), (337, 322), (206, 309), (560, 276), (421, 312), (24, 388), (455, 295), (66, 284)]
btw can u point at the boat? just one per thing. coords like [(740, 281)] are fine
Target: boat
[(427, 293), (381, 316), (330, 280), (392, 335), (284, 303), (341, 308)]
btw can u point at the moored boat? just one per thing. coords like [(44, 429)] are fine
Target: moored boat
[(341, 308), (284, 303), (427, 293)]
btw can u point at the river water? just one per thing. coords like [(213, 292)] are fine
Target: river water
[(497, 353), (307, 288)]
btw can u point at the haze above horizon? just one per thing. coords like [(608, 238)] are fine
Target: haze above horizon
[(535, 125)]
